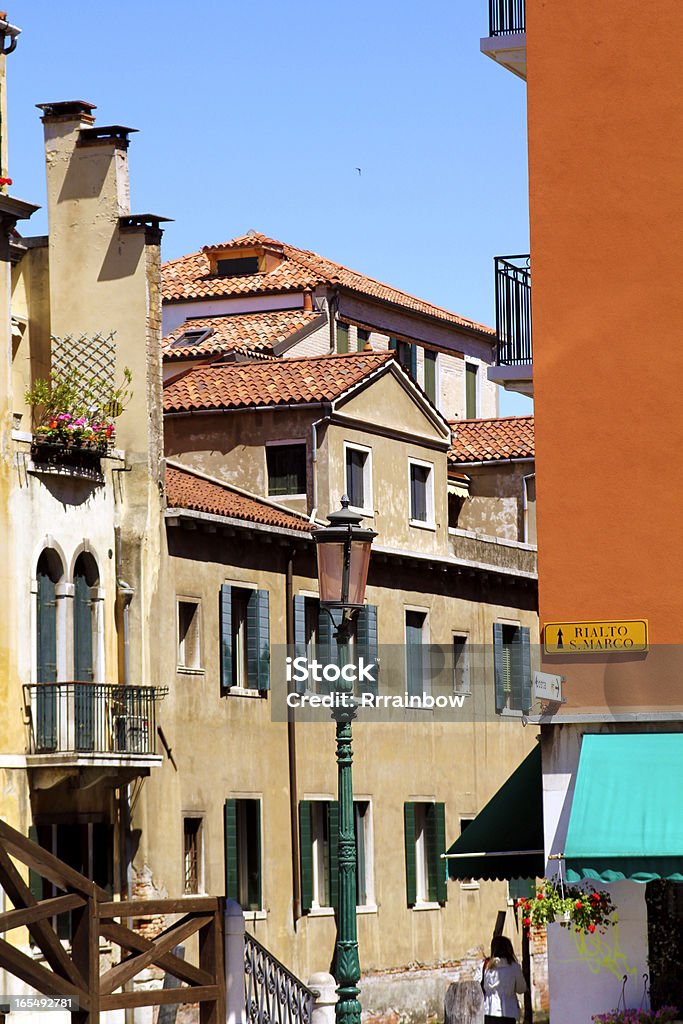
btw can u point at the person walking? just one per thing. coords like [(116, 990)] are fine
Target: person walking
[(502, 981)]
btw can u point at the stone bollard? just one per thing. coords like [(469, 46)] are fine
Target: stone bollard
[(324, 988), (464, 1003)]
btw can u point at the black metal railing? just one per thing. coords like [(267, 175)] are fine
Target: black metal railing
[(513, 309), (98, 718), (506, 17), (272, 994)]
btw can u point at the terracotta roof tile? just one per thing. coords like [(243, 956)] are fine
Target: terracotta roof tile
[(274, 382), (247, 332), (189, 277), (492, 440), (188, 490)]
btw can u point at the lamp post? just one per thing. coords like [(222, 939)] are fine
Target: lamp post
[(343, 550)]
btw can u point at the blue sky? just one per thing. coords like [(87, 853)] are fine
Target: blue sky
[(257, 114)]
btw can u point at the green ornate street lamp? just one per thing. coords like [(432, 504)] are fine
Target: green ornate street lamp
[(343, 550)]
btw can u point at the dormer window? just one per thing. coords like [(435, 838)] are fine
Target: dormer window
[(243, 266), (191, 337)]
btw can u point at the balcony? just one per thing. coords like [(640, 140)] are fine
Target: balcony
[(506, 41), (513, 324), (92, 731)]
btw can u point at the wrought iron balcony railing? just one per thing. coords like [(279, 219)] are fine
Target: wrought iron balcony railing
[(92, 718), (513, 309), (506, 17)]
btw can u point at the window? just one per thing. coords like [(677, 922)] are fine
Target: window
[(189, 635), (363, 339), (86, 846), (425, 841), (471, 389), (242, 821), (421, 493), (245, 638), (430, 374), (49, 573), (512, 667), (286, 466), (314, 638), (416, 623), (85, 578), (318, 836), (406, 353), (358, 462), (192, 337), (192, 852), (241, 267), (461, 664), (342, 337)]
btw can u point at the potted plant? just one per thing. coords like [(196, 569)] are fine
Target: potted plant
[(583, 910), (74, 417)]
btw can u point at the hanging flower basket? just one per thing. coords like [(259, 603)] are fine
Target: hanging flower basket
[(583, 910)]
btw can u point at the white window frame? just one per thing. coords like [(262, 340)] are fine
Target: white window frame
[(369, 508), (289, 442), (463, 634), (422, 901), (370, 906), (430, 522), (237, 690), (426, 682), (182, 666), (319, 855), (196, 816)]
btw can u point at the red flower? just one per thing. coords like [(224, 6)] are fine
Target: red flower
[(591, 928), (526, 922), (578, 904), (5, 181), (53, 424), (540, 895)]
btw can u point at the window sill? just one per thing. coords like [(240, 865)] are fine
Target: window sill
[(255, 915), (184, 670), (419, 525), (368, 513), (470, 886), (321, 912), (511, 713), (287, 497), (241, 691), (369, 908), (426, 906)]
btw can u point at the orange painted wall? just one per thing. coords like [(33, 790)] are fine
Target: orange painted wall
[(605, 97)]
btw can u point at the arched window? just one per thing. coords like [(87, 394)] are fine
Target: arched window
[(86, 577), (48, 572)]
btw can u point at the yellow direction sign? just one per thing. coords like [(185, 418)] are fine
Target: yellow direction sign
[(624, 635)]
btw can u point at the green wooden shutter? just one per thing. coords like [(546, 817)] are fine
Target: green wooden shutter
[(521, 888), (299, 634), (258, 640), (327, 645), (254, 880), (436, 845), (520, 670), (333, 833), (83, 646), (46, 696), (306, 854), (430, 374), (342, 337), (232, 888), (411, 866), (412, 360), (225, 623), (470, 391), (366, 640), (393, 344), (499, 665)]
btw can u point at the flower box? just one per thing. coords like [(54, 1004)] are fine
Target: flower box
[(68, 457)]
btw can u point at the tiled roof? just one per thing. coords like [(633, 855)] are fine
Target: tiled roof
[(188, 490), (493, 440), (189, 277), (274, 382), (253, 332)]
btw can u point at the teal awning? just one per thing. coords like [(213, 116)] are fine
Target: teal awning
[(505, 840), (626, 819)]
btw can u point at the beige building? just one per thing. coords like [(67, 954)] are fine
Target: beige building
[(254, 297), (256, 449)]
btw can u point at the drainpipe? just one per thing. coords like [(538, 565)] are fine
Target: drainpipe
[(525, 505), (314, 455), (291, 752)]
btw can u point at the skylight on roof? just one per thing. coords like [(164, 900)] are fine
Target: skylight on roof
[(243, 266), (192, 336)]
